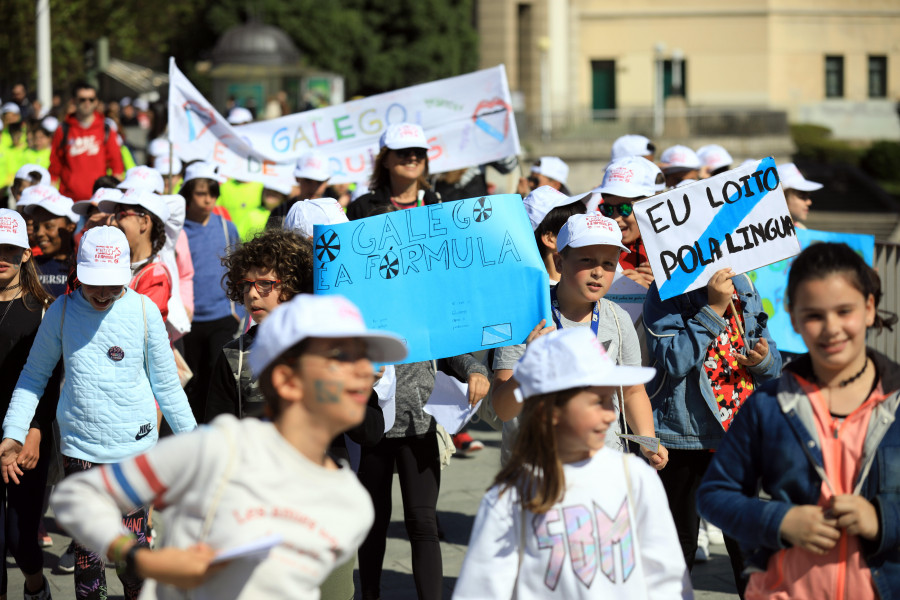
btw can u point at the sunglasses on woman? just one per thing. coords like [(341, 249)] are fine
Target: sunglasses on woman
[(407, 153), (609, 210), (263, 286)]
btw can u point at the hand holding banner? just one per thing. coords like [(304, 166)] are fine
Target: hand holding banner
[(450, 278), (737, 219)]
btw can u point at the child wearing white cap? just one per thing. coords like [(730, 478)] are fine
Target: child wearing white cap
[(22, 303), (796, 191), (27, 176), (626, 181), (632, 145), (547, 170), (589, 246), (304, 215), (566, 517), (312, 173), (548, 210), (117, 359), (399, 176), (249, 480), (679, 163), (54, 233)]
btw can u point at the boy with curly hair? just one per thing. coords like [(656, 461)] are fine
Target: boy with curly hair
[(270, 269)]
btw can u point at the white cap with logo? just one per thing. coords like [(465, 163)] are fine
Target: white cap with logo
[(571, 358), (403, 135), (308, 316), (316, 211), (35, 194), (679, 158), (544, 199), (25, 172), (104, 257), (12, 229), (792, 179), (631, 145), (312, 165), (240, 115), (590, 229), (81, 207), (143, 178), (203, 170), (714, 157), (162, 164), (632, 177), (552, 167), (56, 204)]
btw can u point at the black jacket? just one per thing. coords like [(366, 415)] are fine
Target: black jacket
[(365, 205)]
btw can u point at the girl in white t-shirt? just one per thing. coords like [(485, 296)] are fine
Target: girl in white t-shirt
[(239, 484), (566, 517)]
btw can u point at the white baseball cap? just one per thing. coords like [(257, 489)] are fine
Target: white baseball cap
[(146, 199), (308, 316), (56, 204), (12, 229), (141, 104), (240, 115), (158, 147), (109, 194), (10, 107), (202, 170), (50, 123), (714, 157), (104, 257), (312, 165), (571, 358), (161, 165), (403, 135), (679, 158), (792, 179), (552, 167), (589, 229), (143, 178), (35, 194), (317, 211), (631, 145), (632, 177), (25, 172), (544, 199)]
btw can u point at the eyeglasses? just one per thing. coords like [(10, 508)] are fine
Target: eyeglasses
[(263, 286), (407, 153), (123, 214), (82, 99), (609, 210)]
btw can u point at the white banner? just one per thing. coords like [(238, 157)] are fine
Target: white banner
[(468, 121), (738, 219)]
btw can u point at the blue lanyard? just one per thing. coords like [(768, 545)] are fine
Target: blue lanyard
[(557, 318)]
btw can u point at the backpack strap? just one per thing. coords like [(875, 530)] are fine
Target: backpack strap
[(146, 342)]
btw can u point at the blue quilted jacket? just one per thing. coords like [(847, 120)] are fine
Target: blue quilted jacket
[(106, 410)]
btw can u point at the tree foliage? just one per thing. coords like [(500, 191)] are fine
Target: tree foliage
[(377, 45)]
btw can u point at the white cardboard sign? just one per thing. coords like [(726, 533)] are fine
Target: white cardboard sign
[(737, 219)]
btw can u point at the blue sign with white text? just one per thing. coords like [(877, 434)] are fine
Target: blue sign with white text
[(448, 278)]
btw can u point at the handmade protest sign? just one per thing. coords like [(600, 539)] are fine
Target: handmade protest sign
[(738, 219), (771, 283), (449, 278), (468, 120), (628, 294)]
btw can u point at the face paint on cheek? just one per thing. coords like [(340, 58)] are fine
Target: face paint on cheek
[(328, 392)]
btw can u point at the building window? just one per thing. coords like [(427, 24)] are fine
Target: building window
[(834, 76), (675, 78), (603, 76), (878, 77)]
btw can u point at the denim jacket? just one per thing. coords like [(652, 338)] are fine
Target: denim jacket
[(773, 444), (679, 332)]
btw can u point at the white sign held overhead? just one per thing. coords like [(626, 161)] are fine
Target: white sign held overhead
[(738, 219)]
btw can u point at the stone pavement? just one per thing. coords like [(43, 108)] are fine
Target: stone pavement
[(462, 485)]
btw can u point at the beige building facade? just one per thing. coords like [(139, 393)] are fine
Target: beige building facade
[(835, 63)]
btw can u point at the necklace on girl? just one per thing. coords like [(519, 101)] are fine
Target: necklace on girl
[(11, 287), (851, 379), (11, 302)]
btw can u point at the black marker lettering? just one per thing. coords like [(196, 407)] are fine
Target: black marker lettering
[(442, 255), (465, 261), (709, 196), (357, 245), (654, 221), (725, 192), (484, 262), (748, 191), (508, 248), (461, 222), (408, 257), (434, 220), (342, 277), (774, 172), (413, 236), (687, 211), (389, 232)]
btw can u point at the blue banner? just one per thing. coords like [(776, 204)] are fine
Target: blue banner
[(449, 278), (771, 283)]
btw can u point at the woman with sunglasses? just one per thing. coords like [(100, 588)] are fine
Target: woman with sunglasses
[(626, 181), (399, 177)]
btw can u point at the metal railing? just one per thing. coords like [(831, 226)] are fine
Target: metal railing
[(887, 263), (694, 121)]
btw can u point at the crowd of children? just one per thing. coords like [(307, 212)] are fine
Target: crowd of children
[(148, 304)]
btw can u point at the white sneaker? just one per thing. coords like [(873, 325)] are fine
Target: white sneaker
[(715, 535), (42, 594), (702, 555)]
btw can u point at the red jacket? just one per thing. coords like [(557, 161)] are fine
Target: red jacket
[(636, 256), (153, 281), (85, 157)]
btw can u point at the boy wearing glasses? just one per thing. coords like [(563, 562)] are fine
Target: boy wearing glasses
[(268, 270), (626, 181), (83, 148)]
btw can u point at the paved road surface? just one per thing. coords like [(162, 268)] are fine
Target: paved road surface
[(462, 486)]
